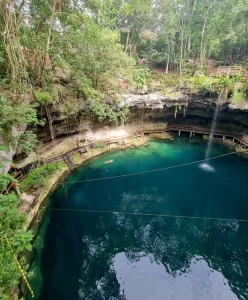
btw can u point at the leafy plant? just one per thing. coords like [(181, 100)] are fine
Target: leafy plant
[(27, 142), (142, 77), (5, 179), (37, 178), (108, 111), (11, 224), (100, 145), (43, 97), (15, 114), (238, 94)]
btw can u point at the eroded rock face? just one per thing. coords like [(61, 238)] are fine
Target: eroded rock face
[(174, 108), (155, 100), (7, 156)]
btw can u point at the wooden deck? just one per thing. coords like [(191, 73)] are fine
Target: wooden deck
[(238, 138)]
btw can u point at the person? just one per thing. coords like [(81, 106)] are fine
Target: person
[(77, 142)]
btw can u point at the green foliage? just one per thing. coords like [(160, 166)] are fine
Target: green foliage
[(11, 223), (27, 142), (4, 158), (97, 62), (169, 81), (142, 77), (43, 97), (202, 84), (37, 178), (109, 111), (99, 146), (238, 94), (71, 107), (5, 179), (15, 114)]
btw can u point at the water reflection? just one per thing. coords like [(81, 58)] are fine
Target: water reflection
[(147, 279)]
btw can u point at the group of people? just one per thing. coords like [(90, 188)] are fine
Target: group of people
[(78, 141)]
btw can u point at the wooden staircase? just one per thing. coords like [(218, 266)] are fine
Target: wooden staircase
[(68, 161)]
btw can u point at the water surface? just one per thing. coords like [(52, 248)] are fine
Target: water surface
[(93, 255)]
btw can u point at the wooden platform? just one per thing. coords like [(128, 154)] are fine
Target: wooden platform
[(199, 130), (229, 70)]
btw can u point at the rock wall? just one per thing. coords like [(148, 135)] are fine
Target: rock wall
[(153, 107)]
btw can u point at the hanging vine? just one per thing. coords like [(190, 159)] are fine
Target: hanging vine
[(14, 56)]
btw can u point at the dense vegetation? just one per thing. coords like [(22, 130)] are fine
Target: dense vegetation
[(37, 178), (56, 52), (11, 222)]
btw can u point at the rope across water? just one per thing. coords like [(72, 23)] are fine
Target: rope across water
[(149, 214), (156, 170)]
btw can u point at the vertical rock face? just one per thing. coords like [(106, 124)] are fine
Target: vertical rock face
[(177, 108), (153, 107), (7, 156)]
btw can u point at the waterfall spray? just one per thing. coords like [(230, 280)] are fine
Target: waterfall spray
[(206, 165), (213, 127)]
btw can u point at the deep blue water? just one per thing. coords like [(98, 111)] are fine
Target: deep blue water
[(93, 255)]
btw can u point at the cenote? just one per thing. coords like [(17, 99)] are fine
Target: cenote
[(103, 255)]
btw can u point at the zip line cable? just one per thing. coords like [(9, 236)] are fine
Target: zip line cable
[(149, 214), (155, 170), (19, 266)]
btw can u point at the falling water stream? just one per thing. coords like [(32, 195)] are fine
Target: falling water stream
[(206, 166)]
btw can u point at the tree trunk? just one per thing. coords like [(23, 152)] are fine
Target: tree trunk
[(50, 122), (202, 38), (127, 41), (189, 46), (43, 64), (181, 56), (168, 61), (16, 187)]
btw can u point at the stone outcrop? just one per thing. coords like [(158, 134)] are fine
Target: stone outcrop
[(174, 107)]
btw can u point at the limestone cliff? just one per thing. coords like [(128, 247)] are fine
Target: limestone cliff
[(179, 107)]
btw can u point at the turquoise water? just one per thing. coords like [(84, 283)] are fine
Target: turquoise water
[(93, 255)]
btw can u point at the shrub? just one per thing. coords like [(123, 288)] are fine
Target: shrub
[(100, 145), (238, 95), (37, 178), (27, 142), (43, 97), (11, 224)]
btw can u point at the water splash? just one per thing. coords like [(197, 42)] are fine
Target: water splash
[(206, 167)]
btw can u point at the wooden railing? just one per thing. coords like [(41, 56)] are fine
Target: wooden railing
[(229, 71), (197, 129)]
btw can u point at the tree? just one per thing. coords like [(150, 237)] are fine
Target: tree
[(11, 222)]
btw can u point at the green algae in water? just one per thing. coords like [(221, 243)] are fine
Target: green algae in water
[(86, 255)]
